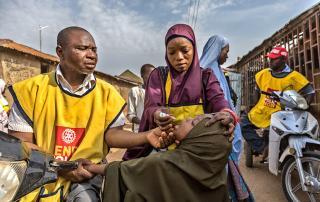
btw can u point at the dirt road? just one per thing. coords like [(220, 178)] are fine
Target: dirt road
[(264, 185)]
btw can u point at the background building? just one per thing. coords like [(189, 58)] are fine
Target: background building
[(19, 62), (301, 37)]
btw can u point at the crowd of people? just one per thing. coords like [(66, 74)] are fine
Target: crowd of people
[(186, 138)]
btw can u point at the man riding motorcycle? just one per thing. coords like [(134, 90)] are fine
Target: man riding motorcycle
[(278, 77)]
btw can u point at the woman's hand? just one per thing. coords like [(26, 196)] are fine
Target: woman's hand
[(163, 119), (226, 119)]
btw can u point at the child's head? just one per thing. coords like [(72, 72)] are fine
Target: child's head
[(183, 129)]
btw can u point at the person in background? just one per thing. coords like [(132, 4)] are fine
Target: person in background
[(136, 98), (4, 108), (278, 77), (234, 96), (215, 53)]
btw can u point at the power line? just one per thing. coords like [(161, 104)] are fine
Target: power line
[(194, 13), (195, 22), (189, 9)]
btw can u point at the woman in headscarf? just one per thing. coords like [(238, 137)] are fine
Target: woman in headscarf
[(215, 53), (182, 89)]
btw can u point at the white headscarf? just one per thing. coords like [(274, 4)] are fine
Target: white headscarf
[(209, 58)]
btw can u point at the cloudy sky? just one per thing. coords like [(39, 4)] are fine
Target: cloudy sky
[(130, 33)]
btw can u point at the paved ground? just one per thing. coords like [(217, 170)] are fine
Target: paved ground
[(265, 186), (115, 154)]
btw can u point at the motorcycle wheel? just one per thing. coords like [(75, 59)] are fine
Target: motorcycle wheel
[(249, 155), (290, 178)]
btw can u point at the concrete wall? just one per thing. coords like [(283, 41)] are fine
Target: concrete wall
[(16, 66)]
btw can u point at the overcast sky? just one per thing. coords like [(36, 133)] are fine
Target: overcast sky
[(129, 33)]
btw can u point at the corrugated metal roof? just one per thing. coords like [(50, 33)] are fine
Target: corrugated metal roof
[(10, 44)]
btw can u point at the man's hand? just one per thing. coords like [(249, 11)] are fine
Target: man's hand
[(160, 139), (163, 119), (78, 174), (226, 120)]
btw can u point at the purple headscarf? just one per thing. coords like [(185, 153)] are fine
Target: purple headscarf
[(186, 86)]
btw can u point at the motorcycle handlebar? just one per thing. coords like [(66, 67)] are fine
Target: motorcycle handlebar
[(266, 93), (69, 165), (272, 95)]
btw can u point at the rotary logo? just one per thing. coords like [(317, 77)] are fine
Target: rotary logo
[(68, 136), (67, 141)]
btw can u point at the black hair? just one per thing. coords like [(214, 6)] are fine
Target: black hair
[(145, 67), (63, 35)]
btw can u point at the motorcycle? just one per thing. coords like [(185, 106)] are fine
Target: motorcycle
[(23, 170), (293, 147)]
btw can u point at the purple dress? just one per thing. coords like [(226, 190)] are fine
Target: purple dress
[(187, 89)]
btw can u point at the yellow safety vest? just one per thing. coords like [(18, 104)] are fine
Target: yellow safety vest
[(67, 126), (260, 114), (181, 112)]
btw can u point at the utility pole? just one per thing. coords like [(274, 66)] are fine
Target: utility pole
[(40, 37)]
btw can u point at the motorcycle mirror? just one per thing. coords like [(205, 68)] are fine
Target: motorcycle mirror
[(281, 94)]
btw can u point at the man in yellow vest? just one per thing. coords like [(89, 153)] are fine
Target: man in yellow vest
[(74, 116), (276, 78)]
